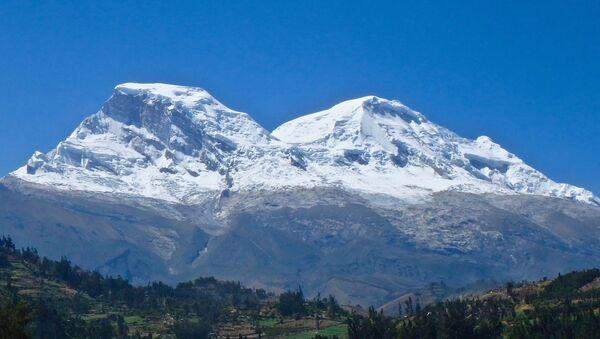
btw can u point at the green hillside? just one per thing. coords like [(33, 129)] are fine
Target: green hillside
[(43, 298), (567, 306)]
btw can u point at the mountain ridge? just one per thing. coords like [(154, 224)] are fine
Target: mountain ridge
[(376, 201), (198, 145)]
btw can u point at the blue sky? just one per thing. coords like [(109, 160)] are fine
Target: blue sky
[(526, 73)]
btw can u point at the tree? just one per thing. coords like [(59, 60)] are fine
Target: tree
[(333, 308), (14, 318), (291, 303), (509, 288), (4, 260), (409, 306), (374, 326)]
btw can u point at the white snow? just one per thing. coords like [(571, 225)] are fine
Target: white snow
[(190, 96), (179, 144)]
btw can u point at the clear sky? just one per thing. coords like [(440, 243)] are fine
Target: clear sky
[(525, 73)]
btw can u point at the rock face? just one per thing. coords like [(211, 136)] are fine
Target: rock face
[(364, 200)]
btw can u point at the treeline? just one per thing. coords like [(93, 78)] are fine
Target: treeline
[(207, 300), (565, 307), (293, 304), (204, 295), (195, 308), (556, 309)]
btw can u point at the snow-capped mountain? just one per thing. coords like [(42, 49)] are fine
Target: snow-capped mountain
[(153, 140), (382, 146), (182, 145), (365, 200)]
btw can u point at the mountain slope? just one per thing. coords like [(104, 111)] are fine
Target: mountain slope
[(363, 200), (60, 300)]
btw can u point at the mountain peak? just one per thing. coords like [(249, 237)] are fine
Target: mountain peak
[(379, 106), (157, 107), (348, 119), (188, 96), (158, 88), (362, 100)]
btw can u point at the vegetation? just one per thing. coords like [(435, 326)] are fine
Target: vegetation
[(42, 298), (291, 303), (566, 307), (373, 326)]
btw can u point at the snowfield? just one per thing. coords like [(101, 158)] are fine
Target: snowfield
[(181, 145)]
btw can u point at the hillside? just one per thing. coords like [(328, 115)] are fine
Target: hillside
[(567, 306), (43, 298)]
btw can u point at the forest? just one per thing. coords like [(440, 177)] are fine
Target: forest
[(44, 298)]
